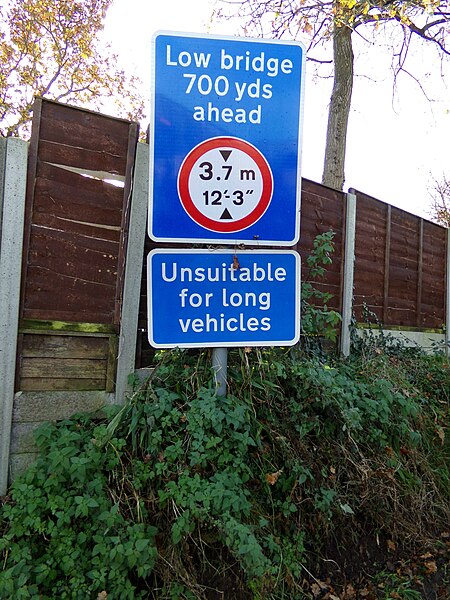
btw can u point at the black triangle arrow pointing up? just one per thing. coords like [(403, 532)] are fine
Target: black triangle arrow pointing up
[(226, 215), (225, 154)]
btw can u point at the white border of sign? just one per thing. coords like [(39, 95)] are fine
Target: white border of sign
[(243, 343), (236, 239)]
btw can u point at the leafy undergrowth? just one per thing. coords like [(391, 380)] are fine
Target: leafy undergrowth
[(314, 478)]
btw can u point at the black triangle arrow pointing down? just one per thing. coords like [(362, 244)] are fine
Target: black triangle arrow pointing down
[(226, 215), (225, 154)]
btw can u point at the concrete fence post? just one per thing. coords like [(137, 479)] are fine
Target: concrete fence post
[(14, 155), (133, 273), (2, 176), (349, 263)]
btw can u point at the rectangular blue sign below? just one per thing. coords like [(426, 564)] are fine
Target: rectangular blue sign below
[(225, 139), (202, 298)]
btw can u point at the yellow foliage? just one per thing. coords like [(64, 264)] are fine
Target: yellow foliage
[(51, 48)]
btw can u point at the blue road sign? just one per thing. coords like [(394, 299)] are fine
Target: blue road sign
[(201, 298), (225, 139)]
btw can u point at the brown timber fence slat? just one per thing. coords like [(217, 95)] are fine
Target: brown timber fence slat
[(75, 239), (400, 262), (400, 266), (323, 209)]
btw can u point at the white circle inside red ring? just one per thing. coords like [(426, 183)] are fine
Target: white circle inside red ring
[(184, 189)]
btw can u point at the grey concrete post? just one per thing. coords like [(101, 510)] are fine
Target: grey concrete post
[(133, 273), (349, 263), (12, 208), (220, 367), (2, 176)]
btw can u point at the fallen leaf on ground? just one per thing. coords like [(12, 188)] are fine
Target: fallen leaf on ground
[(441, 433), (350, 592), (272, 478), (315, 589), (430, 567), (392, 547)]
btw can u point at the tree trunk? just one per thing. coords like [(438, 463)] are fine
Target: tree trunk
[(338, 113)]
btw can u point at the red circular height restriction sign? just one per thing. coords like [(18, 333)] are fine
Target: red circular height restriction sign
[(225, 184)]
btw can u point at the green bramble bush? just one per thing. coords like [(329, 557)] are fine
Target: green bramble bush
[(311, 469)]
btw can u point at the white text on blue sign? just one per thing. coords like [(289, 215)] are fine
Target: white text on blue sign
[(220, 299), (225, 84)]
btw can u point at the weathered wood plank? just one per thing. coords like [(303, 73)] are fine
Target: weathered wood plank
[(30, 384), (81, 158), (370, 204), (68, 315), (434, 276), (316, 206), (110, 248), (62, 368), (402, 302), (434, 238), (60, 327), (369, 299), (374, 309), (77, 228), (50, 294), (372, 209), (59, 200), (368, 267), (63, 346), (88, 189), (55, 255), (323, 192), (400, 316), (374, 229), (317, 224), (83, 128), (45, 292), (400, 275), (74, 271)]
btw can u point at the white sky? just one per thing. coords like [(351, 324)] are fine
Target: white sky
[(395, 145)]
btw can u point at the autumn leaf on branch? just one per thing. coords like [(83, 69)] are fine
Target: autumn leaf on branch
[(332, 25), (53, 49)]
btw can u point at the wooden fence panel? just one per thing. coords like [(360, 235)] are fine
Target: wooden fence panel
[(400, 266), (76, 361), (75, 239), (75, 231), (370, 251), (433, 295), (400, 262), (403, 274), (323, 209), (82, 139)]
